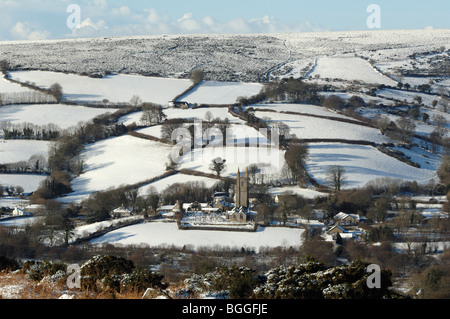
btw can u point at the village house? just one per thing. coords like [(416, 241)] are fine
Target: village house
[(20, 212), (179, 104), (343, 219), (120, 212)]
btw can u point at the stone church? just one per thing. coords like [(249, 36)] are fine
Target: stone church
[(241, 211), (241, 190)]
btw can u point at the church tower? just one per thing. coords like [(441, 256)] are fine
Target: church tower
[(241, 190)]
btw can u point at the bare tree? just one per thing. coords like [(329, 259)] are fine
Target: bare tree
[(336, 176), (383, 122), (406, 128), (57, 91), (197, 76), (136, 101), (152, 114)]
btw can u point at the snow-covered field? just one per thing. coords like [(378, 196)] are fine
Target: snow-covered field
[(188, 114), (305, 192), (299, 108), (238, 157), (200, 114), (119, 161), (114, 88), (349, 69), (12, 151), (305, 127), (214, 92), (62, 115), (162, 184), (168, 234), (409, 97), (8, 87), (29, 182), (362, 164)]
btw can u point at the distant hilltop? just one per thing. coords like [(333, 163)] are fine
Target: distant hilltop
[(246, 58)]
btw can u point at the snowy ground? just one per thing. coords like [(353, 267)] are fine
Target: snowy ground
[(162, 184), (349, 69), (307, 193), (29, 182), (12, 151), (112, 87), (119, 161), (200, 114), (298, 108), (318, 128), (8, 87), (64, 116), (408, 96), (362, 164), (168, 234), (236, 158), (214, 92)]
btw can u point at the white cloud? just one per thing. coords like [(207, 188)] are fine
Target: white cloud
[(100, 3), (123, 10), (91, 24), (25, 31), (153, 16)]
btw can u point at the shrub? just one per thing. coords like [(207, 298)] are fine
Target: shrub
[(143, 279), (8, 263), (102, 266), (37, 270)]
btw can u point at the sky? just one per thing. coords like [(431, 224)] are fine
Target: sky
[(51, 19)]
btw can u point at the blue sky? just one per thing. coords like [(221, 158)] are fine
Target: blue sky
[(47, 19)]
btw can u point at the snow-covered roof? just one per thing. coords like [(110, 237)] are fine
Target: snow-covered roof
[(341, 216), (121, 210)]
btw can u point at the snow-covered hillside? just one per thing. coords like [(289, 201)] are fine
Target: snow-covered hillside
[(157, 69), (119, 161), (62, 115), (247, 58), (214, 92), (12, 151), (349, 69), (85, 89), (362, 164)]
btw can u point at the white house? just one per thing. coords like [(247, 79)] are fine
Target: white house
[(20, 212), (121, 211)]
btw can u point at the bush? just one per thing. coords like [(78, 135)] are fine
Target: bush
[(102, 266), (37, 270), (239, 281), (143, 279), (118, 273), (8, 263)]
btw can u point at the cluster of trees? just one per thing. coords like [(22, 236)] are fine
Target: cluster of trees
[(10, 190), (30, 131), (152, 114), (64, 160), (36, 164), (403, 129), (337, 103), (288, 90), (296, 156), (28, 97), (210, 130), (98, 206)]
